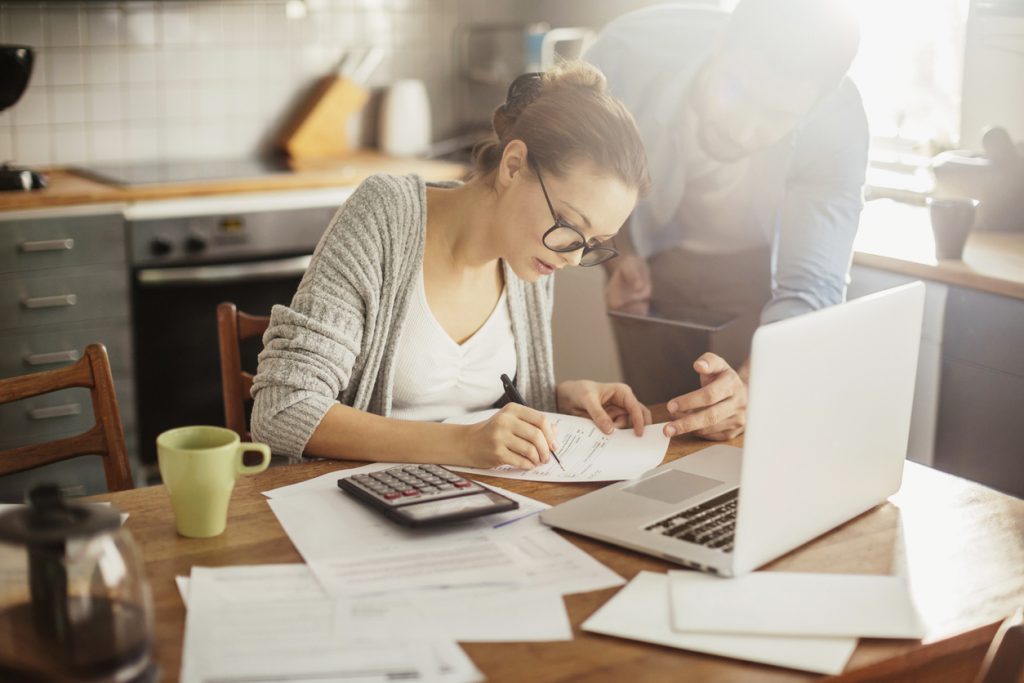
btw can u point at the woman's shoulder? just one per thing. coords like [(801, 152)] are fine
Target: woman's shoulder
[(386, 197), (381, 209)]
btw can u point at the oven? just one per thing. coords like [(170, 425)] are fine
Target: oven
[(189, 255)]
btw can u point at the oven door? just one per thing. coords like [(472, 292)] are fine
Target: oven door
[(178, 362)]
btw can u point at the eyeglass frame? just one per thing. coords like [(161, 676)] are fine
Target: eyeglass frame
[(562, 223)]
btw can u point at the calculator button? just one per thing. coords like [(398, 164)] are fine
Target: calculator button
[(428, 489), (410, 492), (445, 487), (391, 495), (462, 483)]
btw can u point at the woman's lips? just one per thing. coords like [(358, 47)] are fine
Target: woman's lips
[(544, 267)]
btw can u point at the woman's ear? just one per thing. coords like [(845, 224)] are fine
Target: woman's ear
[(513, 162)]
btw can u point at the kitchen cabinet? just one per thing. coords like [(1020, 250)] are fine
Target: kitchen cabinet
[(63, 285), (980, 431)]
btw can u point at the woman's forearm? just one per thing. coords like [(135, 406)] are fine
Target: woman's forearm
[(352, 434)]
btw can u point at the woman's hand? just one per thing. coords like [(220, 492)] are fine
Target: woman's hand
[(718, 410), (608, 405), (515, 435)]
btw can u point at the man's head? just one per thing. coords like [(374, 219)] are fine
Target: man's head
[(777, 59)]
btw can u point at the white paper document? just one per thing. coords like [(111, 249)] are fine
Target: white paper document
[(551, 562), (586, 453), (325, 523), (482, 562), (274, 623), (477, 614), (789, 603), (328, 527), (464, 613), (640, 611)]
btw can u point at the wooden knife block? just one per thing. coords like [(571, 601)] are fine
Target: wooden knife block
[(320, 129)]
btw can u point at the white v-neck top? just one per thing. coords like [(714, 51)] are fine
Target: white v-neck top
[(436, 378)]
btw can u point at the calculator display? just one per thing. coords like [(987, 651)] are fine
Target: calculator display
[(452, 506)]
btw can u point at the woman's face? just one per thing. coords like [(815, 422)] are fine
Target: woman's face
[(594, 203)]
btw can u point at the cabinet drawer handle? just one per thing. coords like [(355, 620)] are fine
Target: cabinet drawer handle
[(55, 411), (49, 245), (53, 357), (50, 301)]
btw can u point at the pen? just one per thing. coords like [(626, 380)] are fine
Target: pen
[(513, 395)]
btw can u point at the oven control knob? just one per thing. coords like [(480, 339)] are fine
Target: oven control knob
[(195, 244), (160, 246)]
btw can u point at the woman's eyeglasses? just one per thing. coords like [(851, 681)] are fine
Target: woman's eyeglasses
[(564, 238)]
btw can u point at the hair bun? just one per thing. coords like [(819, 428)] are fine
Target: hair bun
[(570, 74), (523, 90), (502, 122)]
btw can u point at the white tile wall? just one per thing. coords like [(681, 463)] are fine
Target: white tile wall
[(147, 80)]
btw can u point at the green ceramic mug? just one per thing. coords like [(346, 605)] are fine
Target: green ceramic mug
[(199, 466)]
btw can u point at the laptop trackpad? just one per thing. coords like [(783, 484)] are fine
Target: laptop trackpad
[(672, 486)]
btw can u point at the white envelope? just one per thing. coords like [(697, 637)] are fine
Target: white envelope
[(640, 611), (794, 604)]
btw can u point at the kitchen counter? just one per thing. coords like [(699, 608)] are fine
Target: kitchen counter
[(898, 238), (893, 236), (67, 188)]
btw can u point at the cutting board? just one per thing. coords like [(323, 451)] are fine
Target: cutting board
[(320, 129)]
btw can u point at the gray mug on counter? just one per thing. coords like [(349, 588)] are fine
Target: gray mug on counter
[(952, 219)]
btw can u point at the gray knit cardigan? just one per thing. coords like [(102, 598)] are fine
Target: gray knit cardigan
[(337, 339)]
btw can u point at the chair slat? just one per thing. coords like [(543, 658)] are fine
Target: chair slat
[(105, 438)]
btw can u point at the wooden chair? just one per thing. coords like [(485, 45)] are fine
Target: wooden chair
[(106, 438), (1004, 661), (234, 327)]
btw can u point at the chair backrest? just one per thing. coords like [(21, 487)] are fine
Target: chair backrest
[(1004, 661), (106, 438), (234, 327)]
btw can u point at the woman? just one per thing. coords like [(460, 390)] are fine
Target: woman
[(420, 296)]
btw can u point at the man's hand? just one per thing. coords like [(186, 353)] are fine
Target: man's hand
[(718, 410), (629, 285)]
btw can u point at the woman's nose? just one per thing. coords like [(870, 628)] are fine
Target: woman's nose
[(572, 258)]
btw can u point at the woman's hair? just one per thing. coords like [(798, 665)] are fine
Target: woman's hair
[(566, 115)]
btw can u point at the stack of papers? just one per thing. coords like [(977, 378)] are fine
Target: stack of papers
[(586, 453), (376, 601), (275, 622), (341, 539), (800, 621)]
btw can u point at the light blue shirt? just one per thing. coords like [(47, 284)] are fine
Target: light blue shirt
[(802, 196)]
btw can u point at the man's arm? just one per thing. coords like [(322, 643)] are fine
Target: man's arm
[(821, 208)]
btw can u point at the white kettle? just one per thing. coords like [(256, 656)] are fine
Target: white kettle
[(404, 124)]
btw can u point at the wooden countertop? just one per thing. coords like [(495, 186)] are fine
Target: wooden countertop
[(67, 188), (898, 237)]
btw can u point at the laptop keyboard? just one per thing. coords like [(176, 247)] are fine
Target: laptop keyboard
[(711, 524)]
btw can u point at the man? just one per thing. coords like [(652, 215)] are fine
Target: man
[(757, 144)]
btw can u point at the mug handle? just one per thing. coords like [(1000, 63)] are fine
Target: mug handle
[(261, 448)]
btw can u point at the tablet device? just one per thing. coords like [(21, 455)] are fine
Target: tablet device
[(657, 351)]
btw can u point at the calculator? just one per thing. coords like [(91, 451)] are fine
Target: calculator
[(422, 495)]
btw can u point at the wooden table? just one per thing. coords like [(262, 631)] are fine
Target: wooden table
[(964, 543)]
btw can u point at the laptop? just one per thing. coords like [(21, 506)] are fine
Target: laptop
[(828, 420)]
